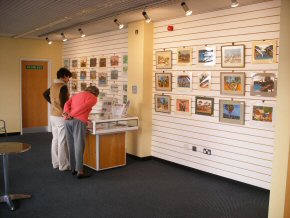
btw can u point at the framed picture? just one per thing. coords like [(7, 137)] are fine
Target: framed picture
[(103, 62), (164, 59), (163, 81), (264, 52), (232, 112), (93, 74), (93, 62), (184, 56), (84, 62), (204, 80), (162, 103), (83, 86), (232, 83), (114, 88), (66, 63), (74, 75), (114, 74), (103, 81), (74, 85), (74, 63), (204, 105), (262, 114), (125, 69), (233, 56), (125, 87), (83, 74), (184, 82), (125, 99), (102, 95), (125, 59), (206, 56), (264, 84), (183, 105), (114, 60)]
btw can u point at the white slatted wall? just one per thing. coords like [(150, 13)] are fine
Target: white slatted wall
[(239, 152), (114, 43)]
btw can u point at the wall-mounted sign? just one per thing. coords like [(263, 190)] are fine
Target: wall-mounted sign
[(134, 89), (34, 67)]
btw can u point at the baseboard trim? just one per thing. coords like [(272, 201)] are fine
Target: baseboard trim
[(140, 158), (9, 134)]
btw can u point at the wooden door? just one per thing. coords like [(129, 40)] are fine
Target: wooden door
[(34, 83)]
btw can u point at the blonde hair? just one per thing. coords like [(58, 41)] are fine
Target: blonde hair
[(93, 89)]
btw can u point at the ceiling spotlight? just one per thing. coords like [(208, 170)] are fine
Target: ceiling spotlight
[(186, 9), (48, 41), (82, 33), (234, 3), (63, 37), (147, 18), (119, 24)]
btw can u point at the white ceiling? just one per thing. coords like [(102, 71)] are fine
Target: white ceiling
[(39, 19)]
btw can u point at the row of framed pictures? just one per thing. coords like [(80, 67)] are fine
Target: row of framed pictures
[(77, 85), (232, 56), (231, 83), (92, 62), (229, 111), (93, 74)]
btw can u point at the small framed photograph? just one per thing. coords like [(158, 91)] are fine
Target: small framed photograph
[(163, 81), (233, 56), (103, 79), (84, 62), (183, 105), (83, 86), (164, 59), (264, 84), (184, 82), (206, 56), (74, 63), (93, 62), (262, 114), (125, 87), (114, 60), (125, 99), (184, 56), (114, 88), (74, 85), (102, 95), (93, 74), (74, 75), (264, 52), (103, 62), (204, 80), (232, 83), (162, 103), (125, 69), (232, 112), (66, 63), (83, 74), (125, 59), (204, 105), (114, 74)]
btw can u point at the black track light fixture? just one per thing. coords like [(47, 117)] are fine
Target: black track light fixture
[(186, 9)]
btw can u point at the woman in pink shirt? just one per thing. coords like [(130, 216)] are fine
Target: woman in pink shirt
[(76, 113)]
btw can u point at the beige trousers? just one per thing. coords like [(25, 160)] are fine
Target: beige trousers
[(59, 148)]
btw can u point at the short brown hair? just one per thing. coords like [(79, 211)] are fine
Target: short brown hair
[(93, 89)]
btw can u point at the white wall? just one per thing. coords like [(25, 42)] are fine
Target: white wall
[(114, 43), (239, 152)]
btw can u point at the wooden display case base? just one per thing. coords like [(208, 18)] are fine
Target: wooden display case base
[(105, 151)]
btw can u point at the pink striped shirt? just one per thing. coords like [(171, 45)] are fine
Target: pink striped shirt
[(80, 105)]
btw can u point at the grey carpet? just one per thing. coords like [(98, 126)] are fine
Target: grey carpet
[(141, 189)]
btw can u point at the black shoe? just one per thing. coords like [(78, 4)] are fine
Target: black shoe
[(74, 172), (84, 175)]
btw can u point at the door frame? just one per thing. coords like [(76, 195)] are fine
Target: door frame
[(20, 90)]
